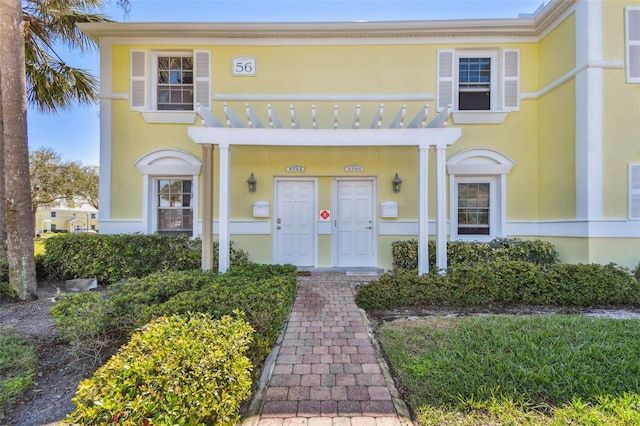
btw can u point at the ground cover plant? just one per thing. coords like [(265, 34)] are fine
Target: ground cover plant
[(17, 367), (557, 369)]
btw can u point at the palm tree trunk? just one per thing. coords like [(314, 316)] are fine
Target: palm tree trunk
[(19, 221), (3, 207)]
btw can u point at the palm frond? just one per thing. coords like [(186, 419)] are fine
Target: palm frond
[(53, 85)]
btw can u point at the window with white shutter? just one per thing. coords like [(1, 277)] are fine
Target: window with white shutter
[(473, 80), (511, 80), (445, 78), (634, 191), (138, 96), (203, 78), (632, 38)]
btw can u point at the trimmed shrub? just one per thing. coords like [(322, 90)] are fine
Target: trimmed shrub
[(188, 369), (111, 258), (503, 282), (264, 292), (405, 253), (592, 284), (81, 319)]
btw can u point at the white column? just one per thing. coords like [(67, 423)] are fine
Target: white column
[(207, 207), (589, 98), (224, 245), (441, 207), (423, 210)]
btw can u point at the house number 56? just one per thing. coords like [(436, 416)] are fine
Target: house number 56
[(244, 65)]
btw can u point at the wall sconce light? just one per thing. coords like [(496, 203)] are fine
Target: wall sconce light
[(397, 183), (252, 182)]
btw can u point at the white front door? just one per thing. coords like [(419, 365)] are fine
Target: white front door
[(355, 244), (294, 222)]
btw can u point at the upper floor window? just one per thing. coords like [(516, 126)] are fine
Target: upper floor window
[(93, 215), (174, 80), (54, 214), (479, 80), (474, 83), (174, 83)]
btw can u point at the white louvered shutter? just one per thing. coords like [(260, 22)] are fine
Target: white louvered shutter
[(511, 80), (632, 35), (202, 67), (445, 79), (138, 95), (634, 191)]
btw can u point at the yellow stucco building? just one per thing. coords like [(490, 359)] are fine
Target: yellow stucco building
[(318, 144)]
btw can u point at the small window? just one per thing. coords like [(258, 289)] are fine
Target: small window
[(93, 215), (175, 210), (93, 227), (474, 208), (474, 84), (175, 83), (53, 227), (632, 44), (54, 214)]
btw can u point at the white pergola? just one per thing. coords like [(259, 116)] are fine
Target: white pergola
[(253, 132)]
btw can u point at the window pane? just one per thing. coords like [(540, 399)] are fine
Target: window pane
[(187, 77), (176, 63), (163, 63), (187, 63)]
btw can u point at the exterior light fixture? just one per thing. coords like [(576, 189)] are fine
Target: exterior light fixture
[(252, 182), (397, 183)]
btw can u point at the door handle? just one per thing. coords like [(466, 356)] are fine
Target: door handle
[(369, 227), (278, 227)]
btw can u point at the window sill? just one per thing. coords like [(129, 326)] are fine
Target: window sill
[(169, 117), (479, 117)]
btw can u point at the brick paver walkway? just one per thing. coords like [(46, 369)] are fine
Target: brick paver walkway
[(326, 370)]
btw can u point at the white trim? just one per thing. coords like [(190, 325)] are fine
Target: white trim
[(169, 117), (604, 64), (104, 180), (122, 226), (316, 97), (325, 137), (441, 207), (168, 162), (479, 117), (120, 96), (575, 228), (589, 112), (526, 26), (479, 161)]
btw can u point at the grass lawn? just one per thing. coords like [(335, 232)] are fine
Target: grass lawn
[(17, 367), (506, 370)]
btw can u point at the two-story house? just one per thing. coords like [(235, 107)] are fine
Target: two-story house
[(62, 218), (319, 144)]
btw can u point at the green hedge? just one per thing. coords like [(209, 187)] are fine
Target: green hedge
[(111, 258), (189, 370), (405, 253), (264, 292), (504, 282)]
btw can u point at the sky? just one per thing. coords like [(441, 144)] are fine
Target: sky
[(75, 134)]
